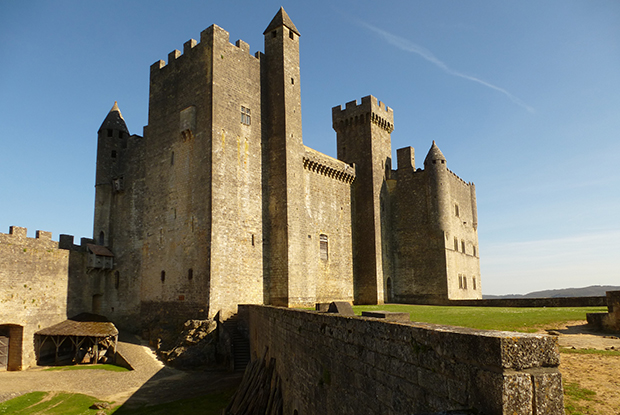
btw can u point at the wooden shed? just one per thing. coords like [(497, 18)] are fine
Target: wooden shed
[(83, 339)]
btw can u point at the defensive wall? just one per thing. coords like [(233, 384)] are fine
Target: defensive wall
[(335, 364), (33, 291)]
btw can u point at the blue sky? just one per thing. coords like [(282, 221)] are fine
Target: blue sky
[(522, 97)]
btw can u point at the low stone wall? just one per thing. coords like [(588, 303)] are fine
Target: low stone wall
[(599, 301), (611, 319), (334, 364)]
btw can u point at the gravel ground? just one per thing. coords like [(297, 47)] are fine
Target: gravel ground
[(150, 383)]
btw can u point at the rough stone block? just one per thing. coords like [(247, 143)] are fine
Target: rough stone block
[(321, 307), (387, 315), (596, 320), (517, 394), (341, 307), (548, 393)]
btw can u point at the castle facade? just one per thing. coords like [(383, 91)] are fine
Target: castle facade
[(220, 203)]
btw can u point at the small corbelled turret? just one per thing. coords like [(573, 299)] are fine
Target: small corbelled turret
[(114, 121), (281, 19), (434, 156)]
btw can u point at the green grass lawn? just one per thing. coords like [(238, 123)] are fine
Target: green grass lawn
[(49, 403), (77, 404), (526, 320), (111, 368)]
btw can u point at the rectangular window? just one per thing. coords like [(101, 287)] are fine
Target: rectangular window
[(460, 281), (456, 244), (464, 282), (245, 116), (473, 279), (323, 247), (463, 246), (474, 250)]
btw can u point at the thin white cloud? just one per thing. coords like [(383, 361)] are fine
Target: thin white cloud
[(411, 47)]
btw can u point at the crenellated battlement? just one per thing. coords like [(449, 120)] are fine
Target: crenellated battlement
[(21, 233), (369, 109), (211, 34), (327, 166), (66, 242), (461, 180), (18, 235)]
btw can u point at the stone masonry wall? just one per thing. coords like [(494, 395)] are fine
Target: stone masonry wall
[(176, 208), (326, 228), (461, 242), (33, 288), (236, 179), (331, 364)]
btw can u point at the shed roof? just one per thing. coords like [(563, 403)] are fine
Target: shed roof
[(99, 250), (84, 324)]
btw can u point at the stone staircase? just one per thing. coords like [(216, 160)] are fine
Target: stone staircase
[(240, 344)]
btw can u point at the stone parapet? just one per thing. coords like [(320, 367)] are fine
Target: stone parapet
[(338, 364)]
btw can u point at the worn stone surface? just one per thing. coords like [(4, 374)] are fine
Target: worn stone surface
[(338, 364), (195, 347), (387, 315)]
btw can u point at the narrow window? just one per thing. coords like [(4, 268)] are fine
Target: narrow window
[(172, 159), (101, 238), (475, 252), (117, 279), (252, 239), (323, 247), (456, 210), (456, 244), (464, 282), (109, 132), (291, 34), (190, 274), (473, 280), (163, 276), (463, 246), (460, 281), (293, 81), (245, 116)]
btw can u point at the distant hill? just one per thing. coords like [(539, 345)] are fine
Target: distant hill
[(591, 291)]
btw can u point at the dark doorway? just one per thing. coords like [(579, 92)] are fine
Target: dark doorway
[(4, 347)]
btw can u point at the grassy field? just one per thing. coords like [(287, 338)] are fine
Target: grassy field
[(526, 320)]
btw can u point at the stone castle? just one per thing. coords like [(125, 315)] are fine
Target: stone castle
[(220, 203)]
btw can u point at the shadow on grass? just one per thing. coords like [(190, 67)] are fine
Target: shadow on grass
[(172, 391)]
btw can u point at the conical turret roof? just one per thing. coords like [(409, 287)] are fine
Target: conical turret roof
[(281, 19), (434, 154), (114, 120)]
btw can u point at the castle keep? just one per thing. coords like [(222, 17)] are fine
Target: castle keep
[(220, 203)]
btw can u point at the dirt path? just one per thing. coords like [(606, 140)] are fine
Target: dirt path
[(598, 373), (150, 382)]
